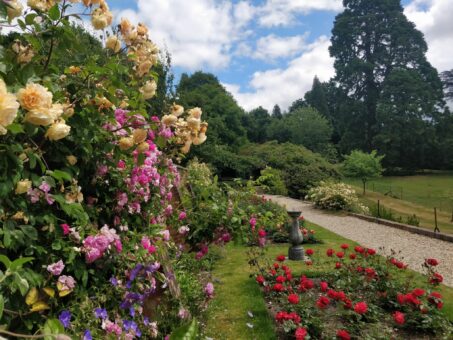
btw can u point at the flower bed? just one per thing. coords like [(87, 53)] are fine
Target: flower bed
[(362, 296)]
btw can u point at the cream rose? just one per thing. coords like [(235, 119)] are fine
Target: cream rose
[(8, 108), (143, 147), (58, 130), (126, 143), (34, 96), (113, 43), (71, 159), (14, 9), (176, 110), (195, 112), (44, 116), (101, 18), (23, 186), (139, 136), (41, 5), (186, 147), (149, 89), (144, 67), (169, 120), (200, 139), (194, 123)]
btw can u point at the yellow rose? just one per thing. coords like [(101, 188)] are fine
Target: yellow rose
[(24, 53), (71, 159), (195, 112), (101, 18), (193, 123), (176, 110), (34, 96), (204, 127), (23, 186), (143, 147), (44, 116), (142, 29), (200, 139), (149, 89), (58, 130), (14, 10), (8, 108), (144, 67), (113, 43), (169, 119), (126, 143), (186, 147), (139, 136), (41, 5)]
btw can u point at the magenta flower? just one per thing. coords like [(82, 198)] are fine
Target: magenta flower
[(56, 268), (45, 187), (182, 215), (66, 228), (209, 289)]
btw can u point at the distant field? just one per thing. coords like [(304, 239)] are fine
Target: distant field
[(417, 195)]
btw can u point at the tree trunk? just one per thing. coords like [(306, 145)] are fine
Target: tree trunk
[(364, 182)]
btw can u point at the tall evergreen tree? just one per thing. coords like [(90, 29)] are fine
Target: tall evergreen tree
[(371, 40), (317, 99), (258, 121), (277, 112)]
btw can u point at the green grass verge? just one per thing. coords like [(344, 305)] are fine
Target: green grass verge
[(237, 293)]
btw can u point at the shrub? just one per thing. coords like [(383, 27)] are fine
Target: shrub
[(271, 182), (301, 168), (336, 196)]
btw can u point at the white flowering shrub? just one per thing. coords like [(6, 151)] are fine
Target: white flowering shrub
[(336, 196)]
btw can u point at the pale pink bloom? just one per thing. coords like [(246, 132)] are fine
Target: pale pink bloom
[(56, 268), (67, 282)]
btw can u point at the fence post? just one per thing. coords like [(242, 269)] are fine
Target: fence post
[(436, 228), (379, 208)]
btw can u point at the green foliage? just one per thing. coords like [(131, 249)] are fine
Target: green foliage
[(271, 182), (363, 166), (301, 168), (317, 99)]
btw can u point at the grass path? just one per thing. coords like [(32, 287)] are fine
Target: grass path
[(236, 293)]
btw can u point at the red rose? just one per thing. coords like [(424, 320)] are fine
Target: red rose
[(436, 299), (293, 299), (340, 254), (309, 252), (399, 318), (344, 246), (295, 317), (352, 256), (285, 268), (359, 269), (401, 265), (260, 279), (330, 252), (301, 333), (371, 251), (324, 286), (289, 276), (278, 287), (432, 262), (332, 294), (306, 285), (261, 233), (436, 278), (323, 302), (281, 258), (343, 334), (276, 265), (347, 304), (410, 298), (308, 262), (273, 272), (338, 265), (418, 292), (360, 307), (359, 249), (280, 279)]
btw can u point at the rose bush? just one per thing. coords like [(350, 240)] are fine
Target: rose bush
[(88, 212)]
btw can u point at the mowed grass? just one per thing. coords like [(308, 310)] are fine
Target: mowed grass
[(420, 195), (237, 293)]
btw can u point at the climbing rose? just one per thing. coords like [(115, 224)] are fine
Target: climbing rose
[(301, 333), (399, 318), (323, 302), (360, 307), (343, 334), (261, 233), (293, 299), (418, 292), (66, 228)]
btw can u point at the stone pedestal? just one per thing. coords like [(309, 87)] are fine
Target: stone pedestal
[(296, 251)]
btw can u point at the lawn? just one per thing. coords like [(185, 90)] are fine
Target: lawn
[(411, 195), (237, 294)]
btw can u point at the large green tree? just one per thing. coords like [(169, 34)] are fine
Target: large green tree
[(317, 99), (372, 42)]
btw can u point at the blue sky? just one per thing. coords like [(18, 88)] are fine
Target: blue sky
[(267, 52)]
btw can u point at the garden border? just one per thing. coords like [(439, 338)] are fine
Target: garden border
[(406, 227)]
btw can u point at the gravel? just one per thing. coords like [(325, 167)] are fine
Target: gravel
[(413, 248)]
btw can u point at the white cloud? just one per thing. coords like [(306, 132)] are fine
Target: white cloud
[(198, 33), (272, 47), (283, 86), (284, 12), (434, 19)]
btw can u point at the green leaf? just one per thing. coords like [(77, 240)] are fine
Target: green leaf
[(51, 328), (21, 283), (2, 305), (15, 128), (54, 12), (29, 19), (16, 264), (5, 261), (186, 332), (60, 175)]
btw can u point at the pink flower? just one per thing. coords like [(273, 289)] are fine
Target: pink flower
[(121, 165), (92, 254), (102, 170), (67, 282), (146, 243), (56, 268), (182, 215), (118, 246), (44, 187), (66, 228), (168, 210), (209, 289), (165, 235), (184, 230), (34, 195)]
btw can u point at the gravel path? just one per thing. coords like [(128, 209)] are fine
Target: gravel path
[(414, 248)]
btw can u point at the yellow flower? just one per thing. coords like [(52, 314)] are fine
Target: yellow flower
[(32, 296), (71, 159), (74, 69), (143, 147), (126, 143), (149, 89), (176, 110), (45, 115), (194, 123), (144, 67), (14, 10), (186, 147), (58, 130), (41, 5), (39, 306), (113, 43), (8, 108), (139, 136), (200, 139), (101, 18), (24, 53), (169, 119), (23, 186), (34, 96), (195, 112)]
